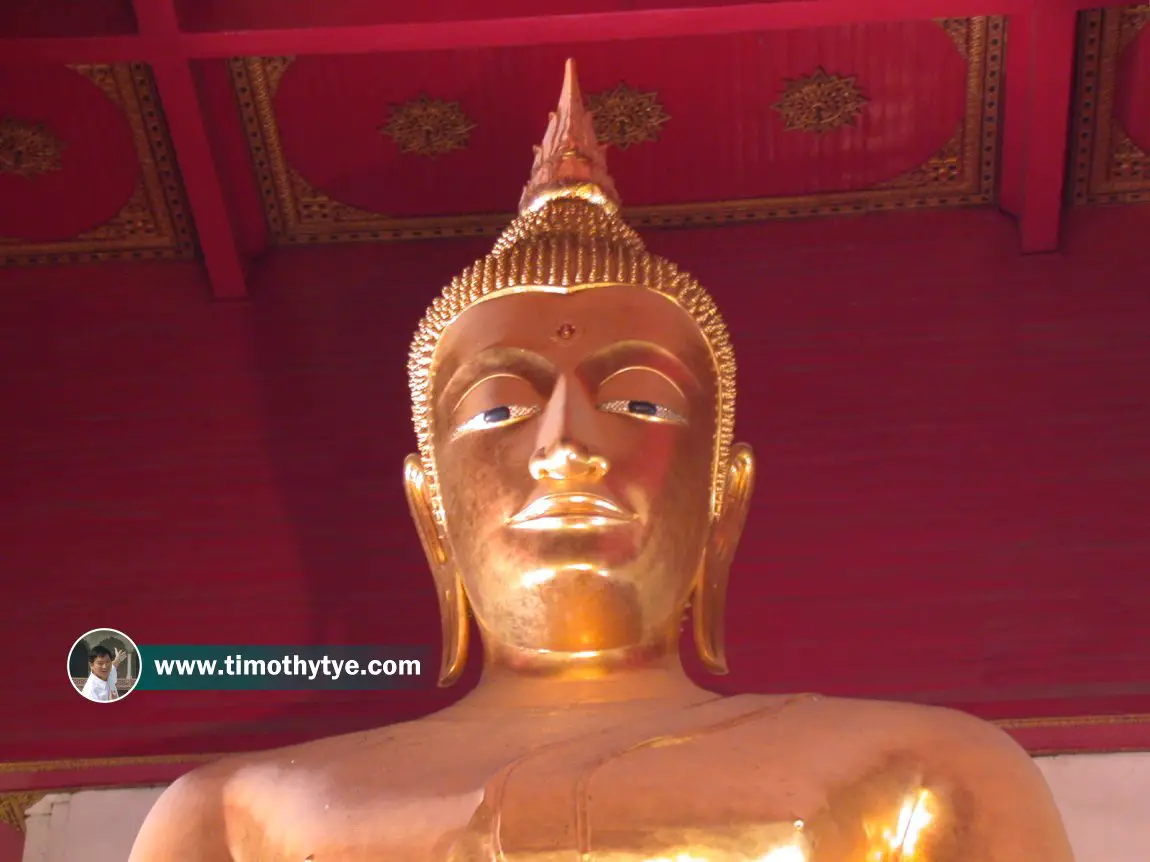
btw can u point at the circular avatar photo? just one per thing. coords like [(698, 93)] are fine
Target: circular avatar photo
[(104, 665)]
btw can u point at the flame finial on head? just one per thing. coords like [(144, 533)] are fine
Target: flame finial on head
[(570, 163), (569, 235)]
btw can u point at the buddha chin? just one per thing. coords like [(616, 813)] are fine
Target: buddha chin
[(579, 610), (550, 602), (582, 590)]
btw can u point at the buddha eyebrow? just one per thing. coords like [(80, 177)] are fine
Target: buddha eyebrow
[(514, 361), (616, 357)]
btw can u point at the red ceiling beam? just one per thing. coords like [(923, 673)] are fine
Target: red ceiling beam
[(151, 46), (85, 49), (213, 220), (590, 27), (187, 127), (1039, 93), (507, 32)]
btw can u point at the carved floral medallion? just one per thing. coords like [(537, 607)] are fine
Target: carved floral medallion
[(820, 102), (624, 116), (961, 173), (429, 127), (28, 149), (152, 223)]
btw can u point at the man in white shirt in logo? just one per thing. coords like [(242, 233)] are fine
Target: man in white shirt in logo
[(102, 676)]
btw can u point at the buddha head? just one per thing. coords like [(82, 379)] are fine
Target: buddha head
[(576, 485)]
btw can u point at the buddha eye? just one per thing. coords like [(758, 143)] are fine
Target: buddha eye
[(495, 417), (648, 411)]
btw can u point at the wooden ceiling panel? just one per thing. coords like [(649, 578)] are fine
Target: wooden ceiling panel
[(1112, 135), (703, 130), (86, 168)]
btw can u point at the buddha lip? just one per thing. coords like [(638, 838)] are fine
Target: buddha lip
[(568, 507)]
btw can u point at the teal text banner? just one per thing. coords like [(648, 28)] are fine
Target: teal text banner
[(284, 668)]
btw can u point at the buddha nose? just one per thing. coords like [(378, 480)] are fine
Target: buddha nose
[(566, 460), (567, 420)]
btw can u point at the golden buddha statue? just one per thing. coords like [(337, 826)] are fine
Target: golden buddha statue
[(576, 486)]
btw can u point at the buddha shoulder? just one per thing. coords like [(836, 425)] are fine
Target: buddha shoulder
[(230, 809), (854, 777), (952, 785), (188, 820), (395, 790)]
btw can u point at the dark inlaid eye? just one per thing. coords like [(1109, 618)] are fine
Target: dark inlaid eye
[(497, 414), (647, 411), (503, 416)]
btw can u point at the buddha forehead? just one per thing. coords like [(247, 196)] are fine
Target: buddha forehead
[(565, 327)]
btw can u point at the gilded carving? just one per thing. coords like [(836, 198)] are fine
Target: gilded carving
[(1134, 18), (820, 102), (104, 77), (28, 149), (39, 766), (958, 29), (429, 127), (1128, 161), (276, 67), (134, 220), (312, 206), (152, 223), (316, 208), (942, 169), (624, 116), (285, 194), (13, 806), (1109, 166)]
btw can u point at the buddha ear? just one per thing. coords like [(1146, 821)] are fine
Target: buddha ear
[(710, 596), (448, 583)]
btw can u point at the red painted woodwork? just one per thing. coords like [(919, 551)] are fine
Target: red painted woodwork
[(11, 844), (353, 28), (723, 118), (157, 17), (51, 42), (1132, 90), (176, 84), (65, 18), (1016, 91), (509, 32), (98, 166), (210, 15), (952, 439), (1049, 48), (232, 158)]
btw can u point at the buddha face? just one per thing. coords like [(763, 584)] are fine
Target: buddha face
[(574, 436)]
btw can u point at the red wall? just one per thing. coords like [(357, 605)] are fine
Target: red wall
[(11, 844), (954, 491)]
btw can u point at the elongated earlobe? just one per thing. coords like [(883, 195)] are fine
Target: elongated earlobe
[(709, 605), (448, 582)]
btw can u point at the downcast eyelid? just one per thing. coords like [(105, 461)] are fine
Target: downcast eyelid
[(494, 362), (647, 411), (485, 378), (674, 384), (481, 421)]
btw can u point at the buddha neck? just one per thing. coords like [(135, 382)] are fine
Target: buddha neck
[(534, 679)]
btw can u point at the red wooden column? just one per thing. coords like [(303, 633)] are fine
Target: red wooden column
[(1039, 90), (177, 90)]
